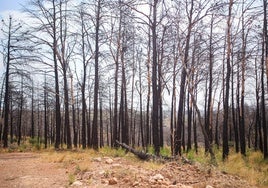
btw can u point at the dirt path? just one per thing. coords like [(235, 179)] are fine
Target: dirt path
[(28, 170)]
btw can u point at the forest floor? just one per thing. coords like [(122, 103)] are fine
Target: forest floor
[(88, 169)]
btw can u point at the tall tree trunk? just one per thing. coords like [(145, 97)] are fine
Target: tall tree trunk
[(258, 132), (7, 90), (32, 110), (141, 113), (11, 119), (265, 54), (115, 119), (111, 119), (88, 130), (75, 140), (179, 126), (132, 132), (64, 64), (160, 77), (124, 108), (66, 112), (242, 108), (101, 125), (83, 84), (95, 142), (155, 112), (210, 84), (45, 112), (225, 151), (147, 124), (189, 115), (1, 110), (19, 127), (235, 112), (57, 93)]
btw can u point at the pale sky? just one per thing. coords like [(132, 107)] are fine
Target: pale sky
[(6, 5), (9, 7)]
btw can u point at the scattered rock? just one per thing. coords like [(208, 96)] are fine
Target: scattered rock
[(109, 161), (104, 181), (102, 172), (116, 165), (209, 186), (77, 184), (157, 177), (136, 183), (112, 181), (97, 159)]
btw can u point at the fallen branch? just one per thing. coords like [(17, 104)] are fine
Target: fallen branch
[(140, 154), (146, 156)]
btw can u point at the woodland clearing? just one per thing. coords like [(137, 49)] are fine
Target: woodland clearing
[(87, 168)]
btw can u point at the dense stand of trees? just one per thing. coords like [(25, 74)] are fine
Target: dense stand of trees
[(145, 73)]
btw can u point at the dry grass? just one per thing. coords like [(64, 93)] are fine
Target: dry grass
[(252, 167)]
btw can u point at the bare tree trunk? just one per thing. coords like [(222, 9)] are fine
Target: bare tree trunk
[(242, 108), (45, 112), (147, 124), (235, 112), (57, 93), (101, 125), (189, 130), (141, 113), (83, 84), (1, 110), (124, 108), (265, 47), (173, 103), (225, 151), (75, 140), (20, 107), (210, 87), (7, 90), (258, 133), (155, 112), (178, 140), (32, 110), (95, 142)]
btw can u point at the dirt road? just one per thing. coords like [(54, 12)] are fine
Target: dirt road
[(28, 170)]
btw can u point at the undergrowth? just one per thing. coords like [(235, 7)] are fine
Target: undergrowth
[(251, 167)]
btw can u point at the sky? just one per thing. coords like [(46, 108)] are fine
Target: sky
[(6, 5), (9, 7)]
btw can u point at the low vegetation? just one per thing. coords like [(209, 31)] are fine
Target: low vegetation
[(251, 167)]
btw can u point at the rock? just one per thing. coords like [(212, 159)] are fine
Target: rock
[(158, 177), (136, 183), (116, 165), (126, 180), (102, 172), (104, 181), (209, 186), (109, 161), (112, 181), (166, 183), (97, 159), (77, 183)]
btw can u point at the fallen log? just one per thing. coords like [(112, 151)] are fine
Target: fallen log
[(146, 156), (140, 154)]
